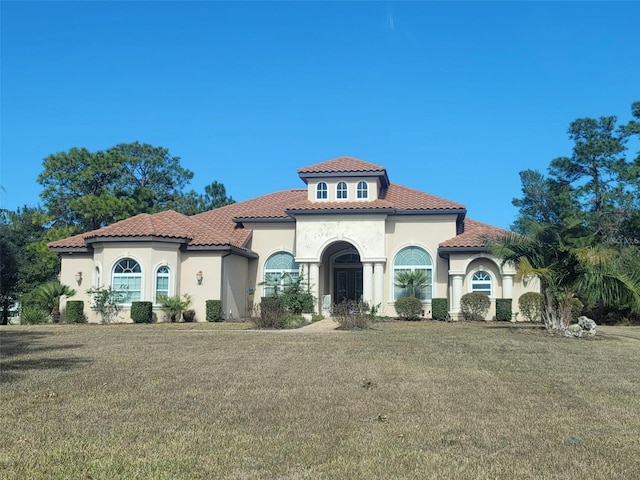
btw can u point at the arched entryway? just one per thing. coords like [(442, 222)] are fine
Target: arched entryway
[(342, 262)]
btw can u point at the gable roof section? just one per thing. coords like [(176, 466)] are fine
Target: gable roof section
[(474, 236), (344, 167)]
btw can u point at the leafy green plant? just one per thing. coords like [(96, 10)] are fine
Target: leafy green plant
[(412, 281), (142, 312), (474, 306), (409, 308), (439, 309), (213, 310), (49, 294), (105, 301), (531, 305), (297, 297), (75, 312), (174, 306), (503, 309), (33, 315)]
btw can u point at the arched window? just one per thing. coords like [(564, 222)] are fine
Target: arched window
[(127, 280), (341, 190), (363, 190), (413, 259), (321, 191), (162, 281), (481, 283), (97, 277), (280, 269)]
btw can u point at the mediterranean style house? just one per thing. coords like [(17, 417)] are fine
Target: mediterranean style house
[(349, 231)]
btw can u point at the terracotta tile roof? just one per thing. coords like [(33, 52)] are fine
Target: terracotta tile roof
[(405, 198), (475, 235), (342, 165), (269, 206)]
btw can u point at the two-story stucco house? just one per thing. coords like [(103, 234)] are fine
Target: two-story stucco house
[(348, 231)]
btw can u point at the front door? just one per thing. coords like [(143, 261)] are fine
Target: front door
[(347, 284)]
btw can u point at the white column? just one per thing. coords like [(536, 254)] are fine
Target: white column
[(367, 282), (314, 283), (507, 285), (378, 284), (456, 292)]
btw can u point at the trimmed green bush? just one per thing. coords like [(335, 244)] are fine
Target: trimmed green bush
[(474, 306), (75, 311), (530, 305), (409, 308), (576, 309), (503, 309), (142, 312), (439, 309), (214, 310)]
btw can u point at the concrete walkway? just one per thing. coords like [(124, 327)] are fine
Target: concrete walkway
[(325, 325)]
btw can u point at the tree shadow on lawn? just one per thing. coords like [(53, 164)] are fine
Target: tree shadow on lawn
[(21, 351)]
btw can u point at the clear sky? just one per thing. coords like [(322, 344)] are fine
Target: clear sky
[(453, 98)]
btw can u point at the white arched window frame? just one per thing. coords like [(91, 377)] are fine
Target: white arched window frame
[(163, 279), (126, 279), (362, 190), (481, 283), (97, 276), (321, 191), (280, 269), (341, 191), (412, 259)]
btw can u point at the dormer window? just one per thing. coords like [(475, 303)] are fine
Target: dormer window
[(363, 190), (341, 190), (321, 191)]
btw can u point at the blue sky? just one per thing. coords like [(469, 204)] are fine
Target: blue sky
[(454, 98)]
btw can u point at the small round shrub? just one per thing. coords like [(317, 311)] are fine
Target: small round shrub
[(142, 312), (503, 309), (530, 305), (33, 315), (409, 308), (439, 309), (189, 315), (75, 312), (213, 310), (576, 309), (474, 306)]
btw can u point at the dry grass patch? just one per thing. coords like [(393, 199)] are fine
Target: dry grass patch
[(403, 400)]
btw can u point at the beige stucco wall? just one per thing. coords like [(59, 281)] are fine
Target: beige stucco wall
[(424, 231), (209, 263)]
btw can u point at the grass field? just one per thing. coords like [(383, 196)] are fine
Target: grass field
[(419, 400)]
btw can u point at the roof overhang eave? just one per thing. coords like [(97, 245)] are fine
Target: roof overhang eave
[(223, 248), (145, 238)]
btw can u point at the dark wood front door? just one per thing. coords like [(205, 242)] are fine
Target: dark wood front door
[(347, 284)]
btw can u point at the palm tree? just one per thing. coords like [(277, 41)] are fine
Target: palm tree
[(412, 280), (49, 295), (592, 274)]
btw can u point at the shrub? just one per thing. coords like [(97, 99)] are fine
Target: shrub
[(142, 312), (531, 305), (409, 308), (75, 311), (214, 310), (189, 315), (352, 315), (503, 309), (33, 315), (297, 297), (106, 301), (272, 313), (440, 309), (474, 306), (174, 306), (576, 309)]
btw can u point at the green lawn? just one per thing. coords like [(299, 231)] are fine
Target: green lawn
[(414, 400)]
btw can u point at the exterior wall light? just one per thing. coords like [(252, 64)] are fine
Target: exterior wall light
[(79, 278), (199, 277)]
